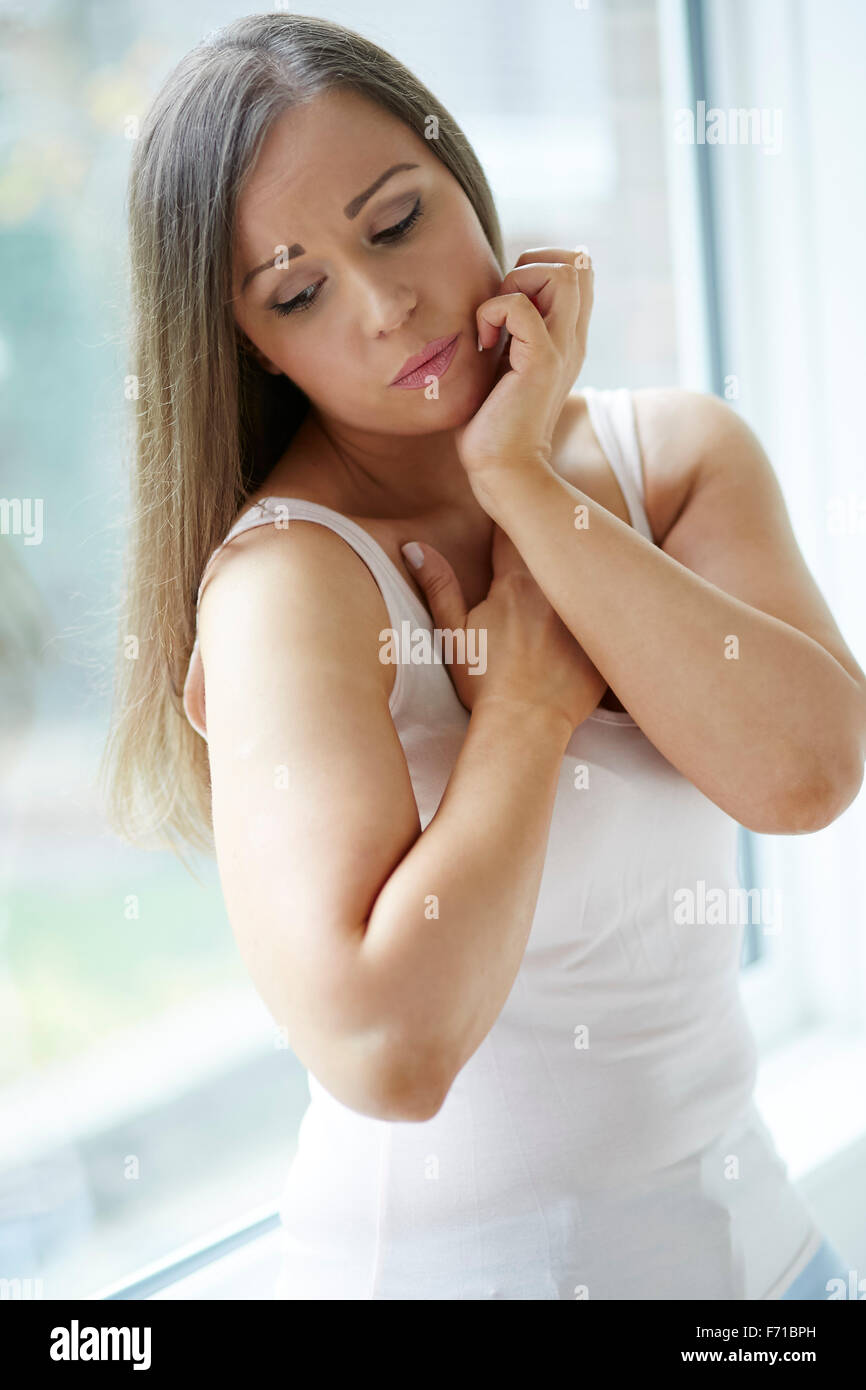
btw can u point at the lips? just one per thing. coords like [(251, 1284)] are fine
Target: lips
[(432, 350)]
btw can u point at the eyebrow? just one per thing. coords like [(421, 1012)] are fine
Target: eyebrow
[(350, 211)]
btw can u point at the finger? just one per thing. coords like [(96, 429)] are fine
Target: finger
[(580, 257), (441, 586), (571, 255), (517, 313), (554, 290), (586, 279)]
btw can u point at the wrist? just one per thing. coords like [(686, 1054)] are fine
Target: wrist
[(510, 483), (527, 715)]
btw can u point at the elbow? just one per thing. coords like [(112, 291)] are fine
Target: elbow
[(412, 1088), (388, 1094), (814, 804), (380, 1082), (410, 1105)]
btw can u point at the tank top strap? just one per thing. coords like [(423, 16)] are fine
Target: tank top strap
[(401, 601), (611, 414)]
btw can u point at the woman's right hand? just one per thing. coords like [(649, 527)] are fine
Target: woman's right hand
[(532, 657)]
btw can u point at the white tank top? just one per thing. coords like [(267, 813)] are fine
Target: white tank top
[(602, 1142)]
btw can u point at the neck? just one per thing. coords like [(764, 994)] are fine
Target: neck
[(397, 476)]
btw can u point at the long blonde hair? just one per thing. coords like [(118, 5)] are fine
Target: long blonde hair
[(210, 423)]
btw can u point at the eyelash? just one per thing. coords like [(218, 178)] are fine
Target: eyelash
[(390, 234)]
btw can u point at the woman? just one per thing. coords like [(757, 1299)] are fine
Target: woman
[(458, 887)]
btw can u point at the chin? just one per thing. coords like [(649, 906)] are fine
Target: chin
[(448, 411)]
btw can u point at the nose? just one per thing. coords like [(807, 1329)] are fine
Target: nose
[(386, 305), (396, 320), (390, 310)]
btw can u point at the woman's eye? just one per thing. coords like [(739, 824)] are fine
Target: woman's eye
[(400, 228), (390, 234), (295, 305)]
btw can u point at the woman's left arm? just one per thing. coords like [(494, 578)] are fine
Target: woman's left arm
[(716, 639)]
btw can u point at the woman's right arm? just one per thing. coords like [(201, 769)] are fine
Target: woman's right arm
[(387, 954)]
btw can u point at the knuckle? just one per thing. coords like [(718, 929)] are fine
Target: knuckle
[(437, 582)]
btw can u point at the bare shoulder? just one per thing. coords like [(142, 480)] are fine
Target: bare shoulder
[(676, 422), (303, 571)]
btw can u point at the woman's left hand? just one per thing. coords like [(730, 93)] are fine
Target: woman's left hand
[(545, 304)]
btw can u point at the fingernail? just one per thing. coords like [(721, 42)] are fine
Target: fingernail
[(480, 348), (413, 553)]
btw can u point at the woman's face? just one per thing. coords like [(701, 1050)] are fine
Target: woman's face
[(363, 279)]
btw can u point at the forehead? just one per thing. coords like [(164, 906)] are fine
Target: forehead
[(313, 161)]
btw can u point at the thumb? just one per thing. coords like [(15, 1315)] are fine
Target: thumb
[(439, 582)]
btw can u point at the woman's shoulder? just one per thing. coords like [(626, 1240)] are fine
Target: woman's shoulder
[(314, 582)]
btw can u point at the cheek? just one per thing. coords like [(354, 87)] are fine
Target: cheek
[(474, 264), (467, 243), (326, 370)]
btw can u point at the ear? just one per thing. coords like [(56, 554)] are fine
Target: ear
[(258, 356), (268, 365)]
